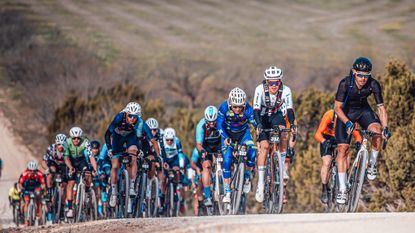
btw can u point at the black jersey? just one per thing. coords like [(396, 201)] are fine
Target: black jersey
[(357, 99)]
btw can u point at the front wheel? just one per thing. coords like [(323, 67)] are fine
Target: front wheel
[(356, 179), (238, 183), (277, 184)]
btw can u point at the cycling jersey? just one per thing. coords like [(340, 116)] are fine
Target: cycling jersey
[(275, 104), (53, 155), (208, 136), (327, 127), (14, 194), (31, 180), (124, 133), (104, 161), (235, 127), (356, 106), (77, 152), (357, 99), (232, 125)]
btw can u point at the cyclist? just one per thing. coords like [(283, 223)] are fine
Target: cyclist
[(14, 195), (53, 161), (32, 181), (325, 136), (99, 184), (208, 141), (234, 117), (104, 172), (77, 153), (185, 181), (157, 132), (351, 106), (171, 160), (272, 103), (127, 128)]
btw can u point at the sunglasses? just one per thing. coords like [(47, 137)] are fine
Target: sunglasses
[(274, 83), (169, 140), (132, 116), (76, 138), (211, 122), (238, 107), (360, 75)]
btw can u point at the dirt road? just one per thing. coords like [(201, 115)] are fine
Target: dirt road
[(287, 223), (15, 157)]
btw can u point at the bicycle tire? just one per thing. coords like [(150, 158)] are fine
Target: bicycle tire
[(152, 202), (93, 209), (44, 215), (277, 184), (140, 205), (31, 213), (357, 177), (219, 193), (79, 202), (238, 184), (332, 185)]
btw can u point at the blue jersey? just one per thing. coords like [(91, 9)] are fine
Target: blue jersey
[(121, 127), (200, 131), (103, 157), (172, 152), (228, 122)]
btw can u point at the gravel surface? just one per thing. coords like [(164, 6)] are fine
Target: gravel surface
[(287, 223)]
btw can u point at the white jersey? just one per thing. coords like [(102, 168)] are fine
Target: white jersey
[(259, 99)]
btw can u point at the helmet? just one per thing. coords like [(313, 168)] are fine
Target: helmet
[(362, 64), (237, 97), (152, 123), (211, 113), (32, 165), (169, 133), (75, 132), (95, 144), (60, 139), (133, 108), (273, 73)]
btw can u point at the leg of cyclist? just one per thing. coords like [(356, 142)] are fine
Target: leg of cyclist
[(342, 152), (227, 163), (132, 170), (324, 175), (115, 165), (251, 157), (263, 152), (207, 180), (369, 120), (25, 205)]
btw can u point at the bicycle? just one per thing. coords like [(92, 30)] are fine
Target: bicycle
[(85, 202), (121, 209), (357, 172), (56, 197), (17, 214), (30, 214), (171, 200), (218, 187), (145, 202), (274, 183), (238, 197), (332, 182)]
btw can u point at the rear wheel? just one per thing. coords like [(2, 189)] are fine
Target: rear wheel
[(332, 186)]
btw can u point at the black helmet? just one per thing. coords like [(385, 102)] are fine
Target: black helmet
[(95, 144), (362, 64)]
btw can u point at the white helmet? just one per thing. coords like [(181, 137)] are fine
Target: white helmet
[(60, 139), (32, 165), (169, 133), (75, 132), (152, 123), (133, 108), (273, 73), (211, 113), (237, 97)]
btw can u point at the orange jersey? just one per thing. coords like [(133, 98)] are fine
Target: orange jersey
[(324, 129)]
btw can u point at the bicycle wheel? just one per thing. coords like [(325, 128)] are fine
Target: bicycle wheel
[(15, 215), (332, 185), (356, 179), (277, 184), (268, 188), (31, 213), (142, 187), (238, 183), (219, 192), (92, 208), (152, 198), (44, 214), (56, 203), (79, 203), (124, 194)]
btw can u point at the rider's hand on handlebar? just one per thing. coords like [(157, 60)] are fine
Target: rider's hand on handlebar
[(357, 145), (71, 170), (166, 166), (349, 127), (110, 153), (227, 142), (386, 134), (95, 173)]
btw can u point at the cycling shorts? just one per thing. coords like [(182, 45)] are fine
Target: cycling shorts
[(268, 122), (364, 117)]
